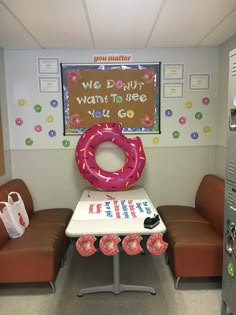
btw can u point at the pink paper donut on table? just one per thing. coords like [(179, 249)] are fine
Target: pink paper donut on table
[(131, 244), (91, 171), (108, 244), (156, 245), (85, 245)]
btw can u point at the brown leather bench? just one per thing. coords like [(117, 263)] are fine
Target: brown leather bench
[(195, 234), (37, 255)]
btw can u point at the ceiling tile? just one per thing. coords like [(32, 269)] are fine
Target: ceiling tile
[(55, 24), (122, 24), (104, 24), (12, 33), (186, 22), (222, 32)]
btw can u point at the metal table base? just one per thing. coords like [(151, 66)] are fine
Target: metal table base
[(116, 287)]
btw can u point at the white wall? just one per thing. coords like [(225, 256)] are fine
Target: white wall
[(173, 168), (171, 175), (22, 82)]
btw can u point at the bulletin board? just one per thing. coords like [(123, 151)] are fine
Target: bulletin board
[(124, 93)]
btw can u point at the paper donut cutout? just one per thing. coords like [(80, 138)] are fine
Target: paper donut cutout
[(85, 245), (99, 178), (131, 244), (108, 244), (156, 245)]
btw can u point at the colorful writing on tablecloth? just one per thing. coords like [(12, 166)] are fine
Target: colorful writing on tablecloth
[(120, 209)]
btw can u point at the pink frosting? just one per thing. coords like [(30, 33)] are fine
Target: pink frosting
[(85, 245), (99, 178), (131, 244), (108, 244), (156, 245)]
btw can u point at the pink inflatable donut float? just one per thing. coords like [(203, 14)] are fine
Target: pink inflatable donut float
[(85, 245), (131, 244), (108, 244), (156, 245), (99, 178)]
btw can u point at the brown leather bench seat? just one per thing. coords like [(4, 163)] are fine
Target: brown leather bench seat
[(36, 256), (195, 234)]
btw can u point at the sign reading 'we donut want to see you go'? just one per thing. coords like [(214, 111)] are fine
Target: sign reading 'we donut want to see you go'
[(126, 93)]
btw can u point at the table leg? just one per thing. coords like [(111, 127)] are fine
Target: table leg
[(116, 287)]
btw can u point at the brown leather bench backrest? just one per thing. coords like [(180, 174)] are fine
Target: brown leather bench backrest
[(19, 186), (209, 201)]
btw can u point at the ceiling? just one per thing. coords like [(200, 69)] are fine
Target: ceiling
[(104, 24)]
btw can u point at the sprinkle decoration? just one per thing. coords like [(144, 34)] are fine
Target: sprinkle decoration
[(175, 134), (66, 143), (206, 129), (156, 140), (198, 115), (19, 121), (38, 128), (168, 113), (205, 100), (194, 135), (21, 102), (188, 104), (52, 133), (50, 118), (37, 108), (182, 120), (54, 103), (28, 141)]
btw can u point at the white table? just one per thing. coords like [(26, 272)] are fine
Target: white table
[(84, 223)]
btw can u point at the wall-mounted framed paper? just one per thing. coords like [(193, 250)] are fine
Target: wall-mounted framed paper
[(173, 90), (199, 81), (49, 85), (48, 66), (173, 71)]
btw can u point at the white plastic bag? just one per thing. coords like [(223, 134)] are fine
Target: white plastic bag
[(14, 216), (20, 208)]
